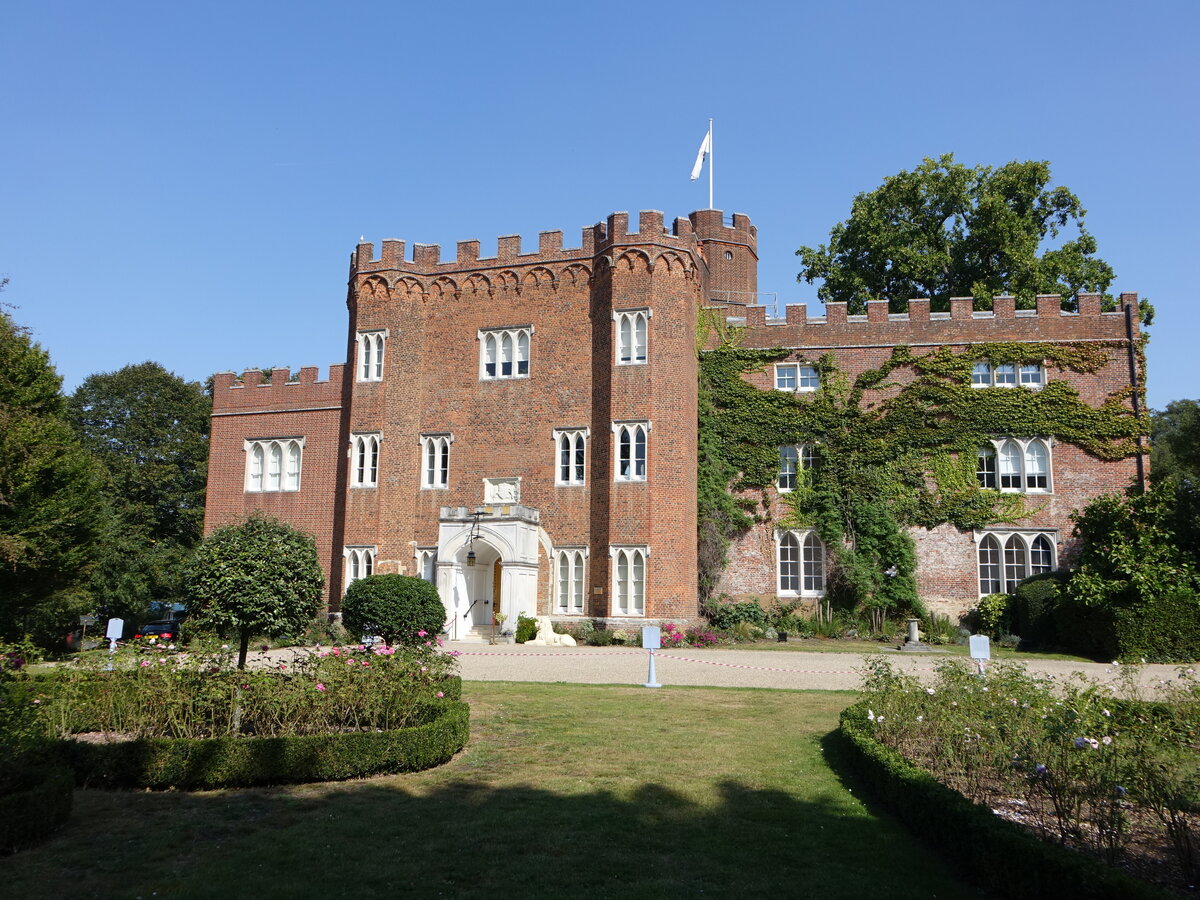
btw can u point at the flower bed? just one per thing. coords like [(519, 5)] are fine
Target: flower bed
[(164, 718), (1014, 774)]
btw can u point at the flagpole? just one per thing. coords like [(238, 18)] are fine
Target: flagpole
[(710, 164)]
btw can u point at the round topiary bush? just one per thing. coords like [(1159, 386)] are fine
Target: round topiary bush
[(394, 607)]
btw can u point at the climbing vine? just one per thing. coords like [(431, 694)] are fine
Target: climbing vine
[(894, 447)]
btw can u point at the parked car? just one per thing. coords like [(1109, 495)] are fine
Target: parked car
[(164, 631)]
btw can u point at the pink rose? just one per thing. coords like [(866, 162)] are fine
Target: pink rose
[(320, 687)]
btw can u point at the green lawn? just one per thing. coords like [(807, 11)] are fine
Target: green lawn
[(564, 790)]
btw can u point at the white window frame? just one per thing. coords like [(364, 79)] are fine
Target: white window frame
[(803, 459), (360, 562), (797, 378), (1021, 452), (628, 589), (573, 562), (570, 456), (426, 558), (631, 336), (987, 374), (364, 455), (634, 430), (808, 580), (1011, 568), (493, 342), (260, 455), (371, 346), (435, 460)]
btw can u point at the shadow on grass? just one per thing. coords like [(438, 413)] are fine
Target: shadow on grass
[(465, 839)]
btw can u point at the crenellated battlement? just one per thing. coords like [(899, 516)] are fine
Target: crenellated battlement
[(280, 390), (684, 235), (962, 324)]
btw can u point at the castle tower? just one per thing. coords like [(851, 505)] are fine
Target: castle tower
[(521, 429)]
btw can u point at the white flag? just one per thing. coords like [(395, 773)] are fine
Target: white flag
[(705, 147)]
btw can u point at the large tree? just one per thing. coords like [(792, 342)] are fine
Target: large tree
[(1175, 442), (150, 429), (257, 577), (945, 230), (51, 508)]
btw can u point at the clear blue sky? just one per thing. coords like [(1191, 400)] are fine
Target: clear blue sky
[(185, 182)]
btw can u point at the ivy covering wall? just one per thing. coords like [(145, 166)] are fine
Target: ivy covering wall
[(894, 447)]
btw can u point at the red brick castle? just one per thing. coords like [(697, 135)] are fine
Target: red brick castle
[(521, 430)]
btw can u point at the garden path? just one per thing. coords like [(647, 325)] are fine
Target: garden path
[(794, 670)]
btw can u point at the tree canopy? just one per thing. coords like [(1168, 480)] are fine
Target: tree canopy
[(945, 230), (150, 430), (51, 509), (257, 577), (1175, 442)]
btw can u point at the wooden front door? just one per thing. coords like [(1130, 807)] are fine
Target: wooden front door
[(495, 591)]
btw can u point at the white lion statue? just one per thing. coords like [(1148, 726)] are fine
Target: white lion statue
[(548, 637)]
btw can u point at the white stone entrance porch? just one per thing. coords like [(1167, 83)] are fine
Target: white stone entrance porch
[(505, 534)]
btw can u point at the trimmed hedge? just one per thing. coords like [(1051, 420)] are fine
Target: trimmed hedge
[(996, 854), (1164, 628), (39, 806), (159, 763)]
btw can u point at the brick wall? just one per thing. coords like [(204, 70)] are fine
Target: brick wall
[(947, 558), (255, 408)]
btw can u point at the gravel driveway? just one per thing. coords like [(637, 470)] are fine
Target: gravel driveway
[(796, 670), (787, 669)]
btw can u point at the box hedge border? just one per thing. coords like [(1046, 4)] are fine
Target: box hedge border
[(208, 763), (996, 854), (38, 808)]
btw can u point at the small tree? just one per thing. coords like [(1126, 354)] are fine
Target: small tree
[(259, 577), (395, 607)]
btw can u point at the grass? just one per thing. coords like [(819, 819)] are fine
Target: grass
[(564, 790)]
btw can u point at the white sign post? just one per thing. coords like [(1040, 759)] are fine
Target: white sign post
[(981, 650), (651, 640), (115, 631)]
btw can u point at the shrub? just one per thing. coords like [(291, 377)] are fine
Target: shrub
[(1164, 628), (995, 853), (1033, 608), (439, 731), (994, 618), (939, 629), (580, 629), (746, 631), (155, 692), (526, 628), (784, 617), (35, 788), (600, 637), (700, 637), (1138, 561), (725, 613), (397, 608), (35, 802)]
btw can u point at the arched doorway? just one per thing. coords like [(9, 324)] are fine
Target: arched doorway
[(483, 582), (503, 545)]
